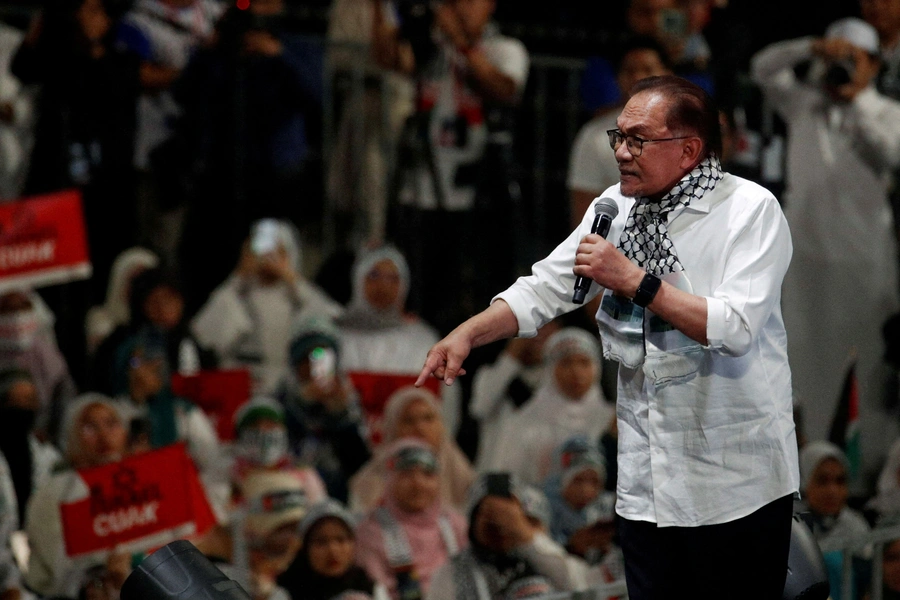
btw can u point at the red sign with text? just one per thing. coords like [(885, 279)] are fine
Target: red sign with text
[(374, 390), (218, 393), (43, 241), (137, 504)]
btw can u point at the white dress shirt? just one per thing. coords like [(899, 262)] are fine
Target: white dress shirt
[(721, 444)]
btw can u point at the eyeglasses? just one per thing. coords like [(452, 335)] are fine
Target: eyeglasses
[(635, 144)]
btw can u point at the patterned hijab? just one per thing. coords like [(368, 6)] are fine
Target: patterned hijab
[(645, 240)]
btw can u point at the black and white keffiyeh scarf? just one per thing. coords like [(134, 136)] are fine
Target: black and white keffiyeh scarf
[(645, 240)]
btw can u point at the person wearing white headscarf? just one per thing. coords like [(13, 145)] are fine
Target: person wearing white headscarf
[(115, 311), (414, 412), (823, 486), (51, 572), (887, 498), (17, 116), (246, 320), (568, 403), (377, 336), (27, 342)]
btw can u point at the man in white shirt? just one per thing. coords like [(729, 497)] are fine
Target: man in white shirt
[(843, 143), (691, 280)]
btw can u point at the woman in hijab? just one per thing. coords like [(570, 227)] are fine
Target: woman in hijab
[(568, 403), (27, 342), (377, 335), (509, 555), (322, 413), (823, 486), (115, 312), (262, 445), (325, 567), (246, 320), (414, 412), (410, 534), (95, 435), (30, 461), (577, 481)]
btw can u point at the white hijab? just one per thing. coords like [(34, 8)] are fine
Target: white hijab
[(362, 315)]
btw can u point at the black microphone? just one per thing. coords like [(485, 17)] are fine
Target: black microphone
[(605, 210)]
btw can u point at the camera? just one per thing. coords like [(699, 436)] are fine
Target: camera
[(840, 72), (416, 23)]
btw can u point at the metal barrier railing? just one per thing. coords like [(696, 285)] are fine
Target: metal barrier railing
[(352, 79), (875, 541)]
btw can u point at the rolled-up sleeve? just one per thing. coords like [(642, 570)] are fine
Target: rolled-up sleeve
[(758, 258)]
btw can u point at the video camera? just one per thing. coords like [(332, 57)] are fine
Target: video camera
[(840, 72), (416, 27)]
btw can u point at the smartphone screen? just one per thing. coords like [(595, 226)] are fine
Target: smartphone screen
[(499, 484), (322, 363)]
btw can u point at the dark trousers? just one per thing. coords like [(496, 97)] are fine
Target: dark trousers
[(746, 558)]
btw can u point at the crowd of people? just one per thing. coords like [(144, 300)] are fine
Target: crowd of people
[(188, 127)]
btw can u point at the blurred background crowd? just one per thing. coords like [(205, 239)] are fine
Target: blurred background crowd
[(309, 194)]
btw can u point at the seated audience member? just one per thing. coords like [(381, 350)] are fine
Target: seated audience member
[(507, 551), (10, 576), (275, 504), (16, 118), (579, 482), (115, 312), (95, 434), (823, 485), (244, 321), (411, 533), (148, 398), (890, 589), (501, 388), (262, 446), (158, 323), (325, 567), (593, 166), (377, 336), (29, 460), (413, 412), (323, 417), (887, 499), (595, 542), (27, 342), (568, 403)]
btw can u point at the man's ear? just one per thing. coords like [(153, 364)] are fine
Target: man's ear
[(690, 153)]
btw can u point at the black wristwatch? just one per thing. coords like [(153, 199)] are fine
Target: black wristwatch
[(646, 292)]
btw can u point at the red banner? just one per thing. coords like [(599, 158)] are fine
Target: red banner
[(137, 504), (43, 241), (218, 393), (374, 390)]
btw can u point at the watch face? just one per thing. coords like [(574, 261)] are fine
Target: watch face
[(647, 290)]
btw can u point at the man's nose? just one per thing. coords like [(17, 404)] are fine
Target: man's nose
[(622, 153)]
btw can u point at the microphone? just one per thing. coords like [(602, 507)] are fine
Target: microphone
[(605, 211)]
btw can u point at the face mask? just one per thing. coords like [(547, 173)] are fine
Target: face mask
[(18, 330), (264, 447)]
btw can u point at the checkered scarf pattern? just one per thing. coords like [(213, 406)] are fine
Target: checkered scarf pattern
[(645, 240)]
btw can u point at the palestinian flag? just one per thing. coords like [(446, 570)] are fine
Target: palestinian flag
[(845, 425)]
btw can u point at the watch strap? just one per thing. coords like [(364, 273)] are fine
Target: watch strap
[(646, 292)]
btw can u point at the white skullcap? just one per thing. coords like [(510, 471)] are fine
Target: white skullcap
[(857, 32)]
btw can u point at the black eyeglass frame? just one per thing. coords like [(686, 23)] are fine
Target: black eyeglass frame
[(616, 137)]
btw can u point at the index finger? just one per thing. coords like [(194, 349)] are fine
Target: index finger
[(432, 362)]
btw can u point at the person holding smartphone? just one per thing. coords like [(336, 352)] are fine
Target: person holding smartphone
[(507, 549), (246, 320)]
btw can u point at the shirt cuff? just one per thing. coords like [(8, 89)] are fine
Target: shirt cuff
[(519, 305), (725, 331), (716, 322)]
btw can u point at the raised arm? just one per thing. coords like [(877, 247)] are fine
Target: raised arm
[(445, 358)]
